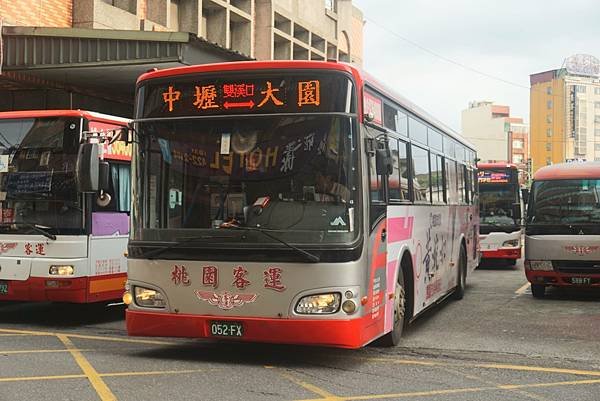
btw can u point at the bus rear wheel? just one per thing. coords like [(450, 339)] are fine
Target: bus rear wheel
[(538, 290), (459, 291), (393, 337)]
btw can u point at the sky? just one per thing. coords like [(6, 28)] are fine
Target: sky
[(505, 40)]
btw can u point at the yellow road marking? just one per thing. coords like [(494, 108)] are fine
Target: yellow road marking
[(13, 335), (310, 387), (86, 337), (101, 388), (461, 390), (36, 351), (522, 289), (34, 378), (524, 368), (115, 374)]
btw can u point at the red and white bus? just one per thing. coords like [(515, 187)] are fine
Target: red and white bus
[(500, 208), (56, 242), (562, 232), (292, 202)]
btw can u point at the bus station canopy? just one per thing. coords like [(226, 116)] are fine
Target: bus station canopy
[(98, 62)]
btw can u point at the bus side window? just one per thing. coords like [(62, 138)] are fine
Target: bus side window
[(437, 178), (460, 179), (421, 180), (376, 184), (398, 181), (451, 183)]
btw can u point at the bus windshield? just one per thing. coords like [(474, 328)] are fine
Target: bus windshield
[(496, 205), (37, 175), (565, 202), (291, 175)]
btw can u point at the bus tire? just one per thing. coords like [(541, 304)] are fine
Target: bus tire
[(393, 337), (459, 291), (511, 262), (538, 290)]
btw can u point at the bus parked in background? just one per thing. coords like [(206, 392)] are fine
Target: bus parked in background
[(292, 202), (57, 243), (500, 209), (562, 234)]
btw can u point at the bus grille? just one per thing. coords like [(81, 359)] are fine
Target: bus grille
[(577, 266)]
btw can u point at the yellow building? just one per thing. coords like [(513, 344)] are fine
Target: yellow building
[(565, 113)]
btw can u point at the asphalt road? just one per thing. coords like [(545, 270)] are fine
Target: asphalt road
[(498, 343)]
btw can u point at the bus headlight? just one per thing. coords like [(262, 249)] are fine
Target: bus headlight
[(61, 270), (149, 298), (320, 304), (510, 243), (539, 265)]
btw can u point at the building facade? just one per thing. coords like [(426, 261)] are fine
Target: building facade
[(565, 112), (261, 29), (496, 135), (88, 53)]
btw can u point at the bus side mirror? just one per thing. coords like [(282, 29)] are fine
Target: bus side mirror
[(516, 211), (103, 175), (87, 168), (383, 161), (525, 195)]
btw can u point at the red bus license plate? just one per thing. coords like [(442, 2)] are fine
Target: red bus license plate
[(581, 280), (226, 329)]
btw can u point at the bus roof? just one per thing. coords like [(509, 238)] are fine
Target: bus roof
[(485, 166), (568, 171), (360, 76), (89, 115)]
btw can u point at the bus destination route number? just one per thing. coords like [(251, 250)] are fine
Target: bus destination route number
[(226, 329), (3, 287)]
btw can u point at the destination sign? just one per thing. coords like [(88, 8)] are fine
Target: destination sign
[(494, 177), (248, 94)]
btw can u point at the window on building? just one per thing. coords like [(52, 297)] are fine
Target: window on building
[(597, 119), (421, 180), (331, 5), (597, 105), (549, 118), (596, 91), (548, 146), (549, 90), (580, 88), (517, 158), (549, 104), (597, 146), (582, 130), (549, 132), (518, 143), (596, 131), (548, 161), (127, 5)]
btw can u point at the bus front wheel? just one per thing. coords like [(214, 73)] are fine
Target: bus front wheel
[(538, 290), (393, 337)]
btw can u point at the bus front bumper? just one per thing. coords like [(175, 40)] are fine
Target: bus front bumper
[(332, 333), (562, 280), (502, 253), (42, 289)]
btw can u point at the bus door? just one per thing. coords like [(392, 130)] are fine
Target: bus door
[(379, 159)]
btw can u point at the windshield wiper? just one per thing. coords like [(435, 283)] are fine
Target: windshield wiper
[(157, 251), (36, 227), (310, 256)]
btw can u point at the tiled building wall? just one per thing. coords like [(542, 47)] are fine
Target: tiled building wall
[(51, 13)]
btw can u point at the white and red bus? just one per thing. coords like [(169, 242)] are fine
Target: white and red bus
[(292, 202), (562, 232), (499, 211), (56, 242)]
